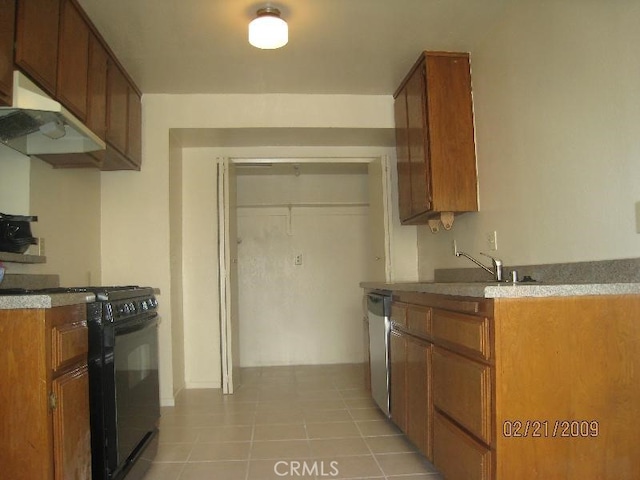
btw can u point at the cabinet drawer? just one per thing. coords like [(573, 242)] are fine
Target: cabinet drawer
[(70, 343), (399, 314), (462, 389), (419, 321), (467, 333), (456, 455)]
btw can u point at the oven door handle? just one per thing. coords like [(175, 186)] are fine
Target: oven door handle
[(136, 324)]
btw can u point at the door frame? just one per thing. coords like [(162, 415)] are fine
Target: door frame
[(229, 357)]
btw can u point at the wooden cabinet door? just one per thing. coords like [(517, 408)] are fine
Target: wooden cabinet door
[(418, 134), (398, 360), (402, 155), (462, 390), (435, 139), (117, 108), (419, 404), (134, 128), (458, 456), (25, 420), (97, 88), (73, 59), (451, 137), (7, 30), (37, 41), (71, 431)]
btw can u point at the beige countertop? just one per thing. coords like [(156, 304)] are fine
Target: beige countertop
[(12, 302), (507, 290)]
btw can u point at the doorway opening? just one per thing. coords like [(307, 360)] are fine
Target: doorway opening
[(297, 236)]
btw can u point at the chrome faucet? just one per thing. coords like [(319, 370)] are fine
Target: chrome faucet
[(497, 264)]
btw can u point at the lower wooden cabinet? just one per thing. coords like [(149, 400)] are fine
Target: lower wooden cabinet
[(398, 379), (457, 454), (419, 402), (519, 388), (44, 399), (411, 404), (72, 441), (462, 390)]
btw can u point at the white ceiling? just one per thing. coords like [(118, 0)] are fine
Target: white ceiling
[(335, 46)]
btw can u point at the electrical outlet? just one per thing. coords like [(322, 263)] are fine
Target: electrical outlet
[(455, 248), (298, 259), (492, 240)]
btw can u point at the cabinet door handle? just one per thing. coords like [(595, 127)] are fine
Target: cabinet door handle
[(53, 401)]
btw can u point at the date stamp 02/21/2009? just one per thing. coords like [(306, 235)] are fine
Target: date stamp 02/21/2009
[(550, 428)]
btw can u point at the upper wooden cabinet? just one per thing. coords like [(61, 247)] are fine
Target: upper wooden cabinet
[(435, 139), (124, 122), (97, 88), (36, 50), (57, 45), (117, 107), (73, 59), (7, 31)]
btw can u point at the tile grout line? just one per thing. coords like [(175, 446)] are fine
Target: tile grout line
[(253, 433), (375, 459), (329, 394), (251, 440)]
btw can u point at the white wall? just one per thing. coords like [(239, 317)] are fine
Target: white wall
[(15, 170), (67, 203), (306, 188), (557, 105), (310, 313), (139, 201), (200, 270)]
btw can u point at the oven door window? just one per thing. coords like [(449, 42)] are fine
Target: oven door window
[(136, 372)]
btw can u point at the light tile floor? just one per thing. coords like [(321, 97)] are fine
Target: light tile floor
[(302, 422)]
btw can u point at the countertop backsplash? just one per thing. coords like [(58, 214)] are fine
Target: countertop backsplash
[(603, 271), (30, 281)]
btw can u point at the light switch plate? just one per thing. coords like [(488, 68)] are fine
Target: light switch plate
[(637, 217)]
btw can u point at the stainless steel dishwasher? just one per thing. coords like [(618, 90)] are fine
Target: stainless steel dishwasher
[(379, 315)]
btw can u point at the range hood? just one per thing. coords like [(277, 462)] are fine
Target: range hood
[(36, 124)]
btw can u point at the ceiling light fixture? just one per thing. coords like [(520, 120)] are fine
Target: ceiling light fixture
[(268, 31)]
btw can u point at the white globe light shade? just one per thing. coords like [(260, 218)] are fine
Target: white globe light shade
[(268, 31)]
